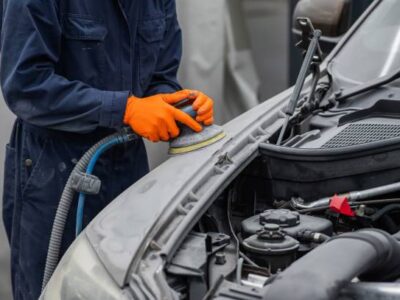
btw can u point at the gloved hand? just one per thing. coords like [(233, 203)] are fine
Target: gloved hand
[(203, 105), (155, 119)]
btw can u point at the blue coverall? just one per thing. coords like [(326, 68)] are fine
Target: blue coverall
[(67, 68)]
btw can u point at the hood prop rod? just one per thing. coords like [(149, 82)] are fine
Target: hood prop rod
[(313, 57)]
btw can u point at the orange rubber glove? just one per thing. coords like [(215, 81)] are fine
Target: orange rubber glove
[(202, 104), (154, 119)]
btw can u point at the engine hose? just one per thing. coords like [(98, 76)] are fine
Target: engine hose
[(371, 255), (352, 204), (387, 209), (354, 196), (65, 202)]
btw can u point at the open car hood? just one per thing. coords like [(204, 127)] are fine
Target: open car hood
[(121, 233)]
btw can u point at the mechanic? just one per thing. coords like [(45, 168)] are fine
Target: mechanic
[(74, 72)]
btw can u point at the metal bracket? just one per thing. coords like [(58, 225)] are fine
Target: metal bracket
[(307, 34)]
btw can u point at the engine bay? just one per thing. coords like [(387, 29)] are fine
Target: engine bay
[(334, 180), (269, 236), (316, 215)]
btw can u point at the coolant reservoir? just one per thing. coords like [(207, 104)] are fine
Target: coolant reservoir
[(291, 221), (271, 247)]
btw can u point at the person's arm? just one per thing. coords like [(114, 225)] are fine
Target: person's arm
[(31, 46), (164, 79)]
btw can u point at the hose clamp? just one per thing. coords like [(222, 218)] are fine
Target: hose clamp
[(85, 183)]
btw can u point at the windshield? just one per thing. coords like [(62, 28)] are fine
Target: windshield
[(374, 49)]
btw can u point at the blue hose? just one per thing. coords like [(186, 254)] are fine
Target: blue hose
[(67, 197), (92, 163)]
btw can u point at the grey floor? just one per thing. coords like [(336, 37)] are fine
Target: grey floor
[(268, 26)]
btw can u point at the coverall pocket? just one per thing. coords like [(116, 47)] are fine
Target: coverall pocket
[(78, 27), (83, 47), (33, 155), (151, 34), (9, 188)]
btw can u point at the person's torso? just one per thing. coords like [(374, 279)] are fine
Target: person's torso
[(111, 44)]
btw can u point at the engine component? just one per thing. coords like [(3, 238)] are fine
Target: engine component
[(255, 280), (351, 197), (322, 273), (271, 247), (312, 237), (340, 205), (291, 221), (312, 174), (220, 258), (201, 257), (282, 217), (370, 291)]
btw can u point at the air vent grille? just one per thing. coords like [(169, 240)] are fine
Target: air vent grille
[(356, 134)]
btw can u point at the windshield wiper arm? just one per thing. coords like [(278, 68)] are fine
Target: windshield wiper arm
[(363, 88)]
